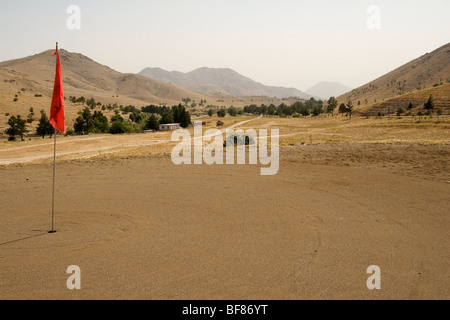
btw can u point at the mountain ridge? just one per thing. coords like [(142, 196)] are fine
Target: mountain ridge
[(422, 73), (221, 80), (81, 73)]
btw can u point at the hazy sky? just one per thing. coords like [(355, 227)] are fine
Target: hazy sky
[(291, 43)]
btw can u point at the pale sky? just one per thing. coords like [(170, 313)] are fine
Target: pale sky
[(291, 43)]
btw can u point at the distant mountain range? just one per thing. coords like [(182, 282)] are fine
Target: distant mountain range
[(221, 80), (30, 80), (326, 90)]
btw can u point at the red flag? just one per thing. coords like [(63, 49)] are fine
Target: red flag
[(57, 117)]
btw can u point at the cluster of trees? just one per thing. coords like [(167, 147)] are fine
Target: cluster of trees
[(232, 111), (346, 108), (428, 106), (154, 109), (96, 122), (176, 114), (188, 100), (91, 123), (147, 118), (74, 99), (311, 107), (17, 126), (89, 102), (164, 115)]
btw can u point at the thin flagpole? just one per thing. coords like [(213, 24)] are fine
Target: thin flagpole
[(53, 192), (54, 170)]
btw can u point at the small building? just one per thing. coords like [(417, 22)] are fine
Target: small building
[(169, 126), (199, 123)]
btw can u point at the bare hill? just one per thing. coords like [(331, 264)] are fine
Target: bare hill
[(440, 95), (422, 73), (83, 76), (327, 89), (221, 80)]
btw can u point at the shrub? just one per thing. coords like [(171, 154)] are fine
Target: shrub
[(222, 113), (117, 127)]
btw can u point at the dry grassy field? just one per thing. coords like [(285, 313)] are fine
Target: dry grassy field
[(349, 194)]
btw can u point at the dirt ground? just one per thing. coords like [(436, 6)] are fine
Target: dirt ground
[(143, 228)]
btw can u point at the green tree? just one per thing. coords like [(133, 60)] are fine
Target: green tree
[(117, 127), (222, 113), (342, 108), (331, 104), (272, 109), (117, 118), (219, 123), (84, 123), (350, 108), (91, 103), (152, 123), (304, 111), (410, 106), (100, 122), (44, 127), (316, 112), (81, 100), (17, 126), (400, 111), (185, 119), (429, 105), (264, 109), (180, 115), (166, 117), (30, 117), (288, 111), (186, 100), (232, 111), (210, 112), (136, 117)]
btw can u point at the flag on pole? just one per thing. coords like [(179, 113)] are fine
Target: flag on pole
[(57, 117)]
